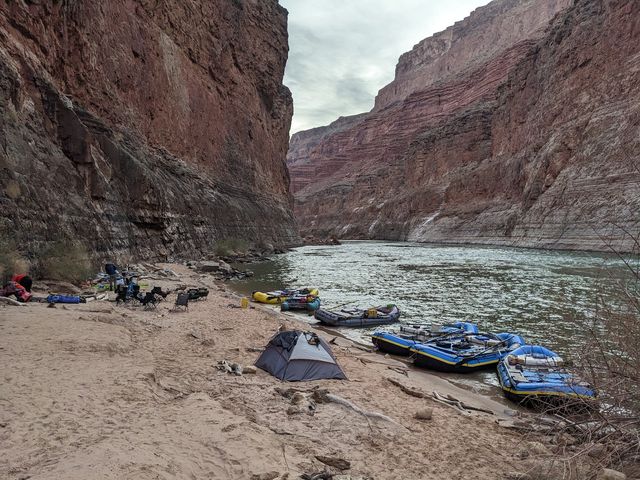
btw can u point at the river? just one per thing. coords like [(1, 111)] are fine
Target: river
[(546, 296)]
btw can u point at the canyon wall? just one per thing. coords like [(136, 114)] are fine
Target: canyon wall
[(144, 128), (302, 144), (495, 133)]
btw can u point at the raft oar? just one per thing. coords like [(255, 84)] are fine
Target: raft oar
[(344, 305), (443, 337), (492, 347)]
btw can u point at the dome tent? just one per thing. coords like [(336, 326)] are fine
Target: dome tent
[(299, 356)]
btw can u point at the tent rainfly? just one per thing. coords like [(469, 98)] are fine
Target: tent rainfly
[(299, 356)]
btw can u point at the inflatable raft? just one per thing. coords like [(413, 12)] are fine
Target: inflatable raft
[(464, 354), (400, 343), (301, 302), (534, 375), (359, 317), (278, 296)]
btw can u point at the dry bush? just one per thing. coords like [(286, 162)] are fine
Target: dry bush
[(609, 436), (64, 261), (611, 362), (606, 433), (229, 246), (11, 260)]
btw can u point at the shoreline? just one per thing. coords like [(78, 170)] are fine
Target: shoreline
[(498, 404), (103, 391)]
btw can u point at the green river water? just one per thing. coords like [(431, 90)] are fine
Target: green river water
[(546, 296)]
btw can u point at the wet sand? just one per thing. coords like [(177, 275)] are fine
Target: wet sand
[(103, 391)]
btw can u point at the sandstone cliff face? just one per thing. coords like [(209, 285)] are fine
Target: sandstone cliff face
[(468, 44), (536, 146), (302, 145), (147, 128)]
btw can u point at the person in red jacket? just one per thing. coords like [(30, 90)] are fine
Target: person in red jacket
[(24, 280)]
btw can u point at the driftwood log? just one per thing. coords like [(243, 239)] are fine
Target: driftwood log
[(449, 400), (321, 395), (11, 301), (414, 392)]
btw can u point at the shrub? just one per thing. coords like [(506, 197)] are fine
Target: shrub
[(229, 246), (607, 436), (11, 260), (63, 261)]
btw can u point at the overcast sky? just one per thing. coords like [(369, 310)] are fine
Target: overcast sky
[(341, 52)]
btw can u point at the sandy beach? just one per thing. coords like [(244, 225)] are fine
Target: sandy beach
[(111, 392)]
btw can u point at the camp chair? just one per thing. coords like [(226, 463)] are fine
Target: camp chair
[(158, 291), (121, 294), (182, 301), (149, 301)]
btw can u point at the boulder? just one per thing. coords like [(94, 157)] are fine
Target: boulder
[(424, 414), (610, 474), (225, 267), (208, 266), (596, 449)]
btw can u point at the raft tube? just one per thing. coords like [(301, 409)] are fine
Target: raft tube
[(359, 317), (400, 343), (465, 354), (278, 296), (535, 376), (301, 303)]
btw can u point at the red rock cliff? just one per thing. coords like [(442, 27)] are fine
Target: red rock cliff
[(302, 145), (531, 141), (145, 127)]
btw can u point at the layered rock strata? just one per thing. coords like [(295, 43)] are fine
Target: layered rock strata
[(144, 128), (531, 142), (302, 144)]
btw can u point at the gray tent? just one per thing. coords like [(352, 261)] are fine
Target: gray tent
[(297, 356)]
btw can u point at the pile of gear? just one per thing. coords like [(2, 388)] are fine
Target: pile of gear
[(19, 286), (126, 286), (131, 292)]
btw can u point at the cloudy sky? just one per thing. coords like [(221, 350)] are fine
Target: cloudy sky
[(343, 51)]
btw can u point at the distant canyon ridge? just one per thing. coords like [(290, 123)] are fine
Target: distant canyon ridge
[(144, 129), (519, 125)]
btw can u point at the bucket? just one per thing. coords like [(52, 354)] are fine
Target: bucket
[(244, 302)]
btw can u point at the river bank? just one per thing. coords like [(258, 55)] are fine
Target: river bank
[(100, 391)]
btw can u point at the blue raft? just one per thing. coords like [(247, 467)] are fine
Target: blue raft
[(359, 317), (301, 302), (466, 353), (534, 375), (400, 343)]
